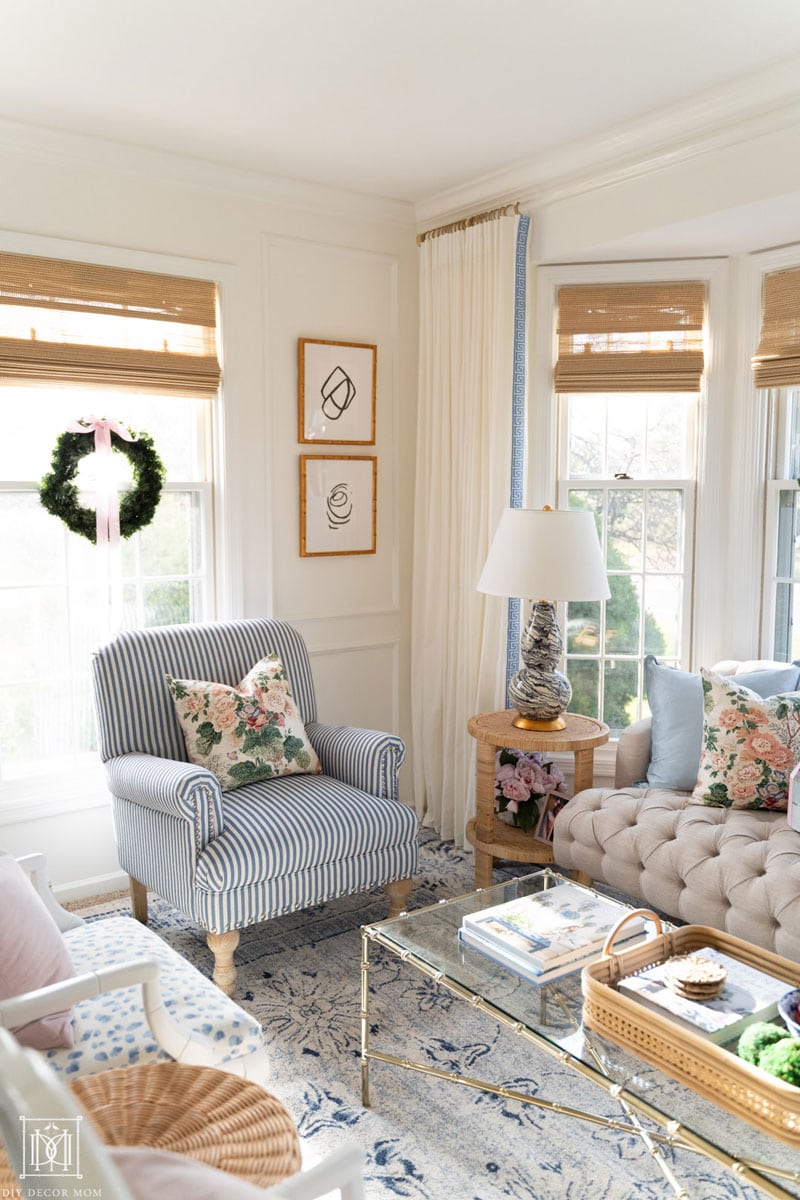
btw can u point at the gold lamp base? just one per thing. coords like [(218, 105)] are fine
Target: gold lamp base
[(549, 726)]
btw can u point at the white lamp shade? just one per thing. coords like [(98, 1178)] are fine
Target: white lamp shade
[(545, 554)]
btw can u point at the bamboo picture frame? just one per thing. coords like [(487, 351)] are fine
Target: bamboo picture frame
[(337, 386), (338, 504)]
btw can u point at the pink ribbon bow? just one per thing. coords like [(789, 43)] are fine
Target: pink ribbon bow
[(107, 497)]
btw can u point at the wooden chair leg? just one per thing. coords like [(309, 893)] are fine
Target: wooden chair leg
[(397, 893), (222, 946), (138, 899), (580, 877)]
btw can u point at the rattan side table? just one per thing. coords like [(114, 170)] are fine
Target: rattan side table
[(493, 837)]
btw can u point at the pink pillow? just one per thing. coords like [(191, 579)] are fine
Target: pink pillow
[(32, 954), (169, 1176)]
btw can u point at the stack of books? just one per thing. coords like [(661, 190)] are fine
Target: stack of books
[(748, 995), (547, 935)]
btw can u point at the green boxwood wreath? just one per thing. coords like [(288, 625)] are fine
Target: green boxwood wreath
[(59, 494)]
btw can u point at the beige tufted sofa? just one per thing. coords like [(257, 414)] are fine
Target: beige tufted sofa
[(732, 869)]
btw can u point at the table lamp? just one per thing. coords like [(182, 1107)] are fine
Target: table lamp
[(553, 553)]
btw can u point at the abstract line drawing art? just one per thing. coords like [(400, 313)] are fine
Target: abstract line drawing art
[(336, 392), (338, 504)]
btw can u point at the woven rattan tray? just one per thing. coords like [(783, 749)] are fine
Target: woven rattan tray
[(770, 1104)]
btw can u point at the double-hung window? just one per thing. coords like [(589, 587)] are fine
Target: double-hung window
[(782, 541), (76, 340), (776, 367), (628, 377)]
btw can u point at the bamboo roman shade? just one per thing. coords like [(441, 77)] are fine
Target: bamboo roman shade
[(776, 362), (73, 322), (630, 337)]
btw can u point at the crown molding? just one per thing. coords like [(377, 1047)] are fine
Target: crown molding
[(34, 141), (758, 104)]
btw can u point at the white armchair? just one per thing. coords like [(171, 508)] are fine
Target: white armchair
[(135, 1000), (28, 1089)]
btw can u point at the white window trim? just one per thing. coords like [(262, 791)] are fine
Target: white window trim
[(53, 795), (227, 545), (687, 489), (707, 640), (83, 786), (778, 480), (750, 500), (774, 487)]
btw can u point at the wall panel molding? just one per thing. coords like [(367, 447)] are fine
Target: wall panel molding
[(313, 588), (351, 651)]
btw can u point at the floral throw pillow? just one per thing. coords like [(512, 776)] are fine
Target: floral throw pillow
[(246, 733), (749, 746)]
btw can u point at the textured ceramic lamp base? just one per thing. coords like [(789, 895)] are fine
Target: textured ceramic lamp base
[(538, 691)]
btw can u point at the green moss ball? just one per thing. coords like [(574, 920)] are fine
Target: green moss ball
[(783, 1059), (755, 1040)]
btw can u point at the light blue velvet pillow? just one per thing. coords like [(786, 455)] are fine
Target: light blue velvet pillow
[(676, 703)]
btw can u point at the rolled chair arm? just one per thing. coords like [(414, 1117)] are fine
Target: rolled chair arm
[(181, 1044), (164, 785), (364, 758), (633, 754)]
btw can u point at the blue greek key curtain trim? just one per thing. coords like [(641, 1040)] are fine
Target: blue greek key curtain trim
[(518, 424)]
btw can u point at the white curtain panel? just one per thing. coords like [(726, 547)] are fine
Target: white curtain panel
[(467, 281)]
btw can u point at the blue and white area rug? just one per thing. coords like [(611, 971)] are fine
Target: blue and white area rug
[(426, 1139)]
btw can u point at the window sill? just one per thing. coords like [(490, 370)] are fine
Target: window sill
[(53, 795)]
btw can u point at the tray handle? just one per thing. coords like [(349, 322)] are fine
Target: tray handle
[(647, 913)]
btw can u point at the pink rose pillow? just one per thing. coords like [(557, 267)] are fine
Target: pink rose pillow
[(33, 953), (246, 733), (750, 746)]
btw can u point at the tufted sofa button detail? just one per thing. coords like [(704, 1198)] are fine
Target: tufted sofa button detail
[(728, 868)]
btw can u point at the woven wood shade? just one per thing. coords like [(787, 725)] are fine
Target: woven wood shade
[(71, 322), (776, 362), (630, 337)]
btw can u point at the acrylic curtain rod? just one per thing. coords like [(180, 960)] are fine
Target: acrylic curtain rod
[(492, 215)]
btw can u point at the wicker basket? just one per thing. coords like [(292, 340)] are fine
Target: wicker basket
[(770, 1104), (212, 1116)]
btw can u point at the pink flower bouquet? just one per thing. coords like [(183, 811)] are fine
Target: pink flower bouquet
[(529, 788)]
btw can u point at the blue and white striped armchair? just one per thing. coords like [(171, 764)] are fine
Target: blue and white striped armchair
[(232, 859)]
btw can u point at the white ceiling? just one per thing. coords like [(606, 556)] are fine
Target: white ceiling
[(395, 98), (743, 229)]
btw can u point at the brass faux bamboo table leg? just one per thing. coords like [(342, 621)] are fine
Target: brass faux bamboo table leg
[(667, 1132), (364, 1018)]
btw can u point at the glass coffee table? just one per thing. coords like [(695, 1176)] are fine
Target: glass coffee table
[(659, 1110)]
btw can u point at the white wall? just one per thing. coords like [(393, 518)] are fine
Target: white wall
[(292, 260)]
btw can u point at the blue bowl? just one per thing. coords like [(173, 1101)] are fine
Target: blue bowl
[(789, 1008)]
